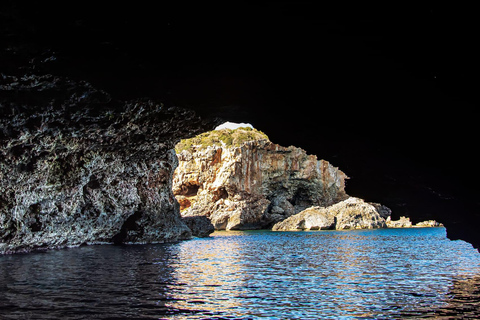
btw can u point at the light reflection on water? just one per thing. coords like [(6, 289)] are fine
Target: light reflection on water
[(368, 273), (365, 274)]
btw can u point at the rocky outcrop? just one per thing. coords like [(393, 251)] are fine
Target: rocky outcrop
[(352, 213), (314, 218), (253, 185), (241, 180), (200, 226), (405, 222), (77, 167), (428, 224)]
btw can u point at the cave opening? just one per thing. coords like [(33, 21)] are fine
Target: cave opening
[(129, 225), (186, 194), (220, 193), (364, 186), (188, 189), (376, 112)]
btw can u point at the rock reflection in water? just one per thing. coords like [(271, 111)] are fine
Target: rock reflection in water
[(370, 274), (208, 275), (118, 282), (463, 301)]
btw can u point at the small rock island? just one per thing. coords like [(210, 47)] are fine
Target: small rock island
[(240, 180)]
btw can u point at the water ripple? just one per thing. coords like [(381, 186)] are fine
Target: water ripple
[(365, 274)]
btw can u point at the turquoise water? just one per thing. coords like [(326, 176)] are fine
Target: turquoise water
[(364, 274)]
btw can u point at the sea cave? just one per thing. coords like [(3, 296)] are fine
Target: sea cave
[(94, 100)]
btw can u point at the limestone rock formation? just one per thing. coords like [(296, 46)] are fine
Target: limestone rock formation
[(313, 218), (78, 167), (352, 213), (428, 224), (251, 184), (403, 222)]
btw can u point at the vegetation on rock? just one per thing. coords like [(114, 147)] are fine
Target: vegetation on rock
[(252, 186), (223, 137)]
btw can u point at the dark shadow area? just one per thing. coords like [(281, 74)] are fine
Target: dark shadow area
[(388, 94), (188, 190), (129, 224)]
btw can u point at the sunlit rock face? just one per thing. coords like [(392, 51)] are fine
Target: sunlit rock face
[(78, 167), (352, 213), (405, 222), (253, 185)]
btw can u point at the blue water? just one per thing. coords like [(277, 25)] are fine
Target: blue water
[(365, 274)]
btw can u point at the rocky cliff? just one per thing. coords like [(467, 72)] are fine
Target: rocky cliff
[(240, 180), (251, 184), (78, 167)]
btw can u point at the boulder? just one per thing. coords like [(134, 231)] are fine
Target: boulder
[(314, 218), (429, 224), (200, 226), (352, 213), (403, 222)]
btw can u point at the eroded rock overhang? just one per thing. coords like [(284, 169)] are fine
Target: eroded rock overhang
[(79, 167)]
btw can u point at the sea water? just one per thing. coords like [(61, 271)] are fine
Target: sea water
[(365, 274)]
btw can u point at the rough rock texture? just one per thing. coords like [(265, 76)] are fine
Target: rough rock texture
[(384, 211), (127, 49), (429, 224), (77, 167), (200, 226), (352, 213), (255, 185), (314, 218), (403, 222)]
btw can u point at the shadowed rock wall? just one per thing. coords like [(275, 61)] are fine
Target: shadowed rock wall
[(78, 167)]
